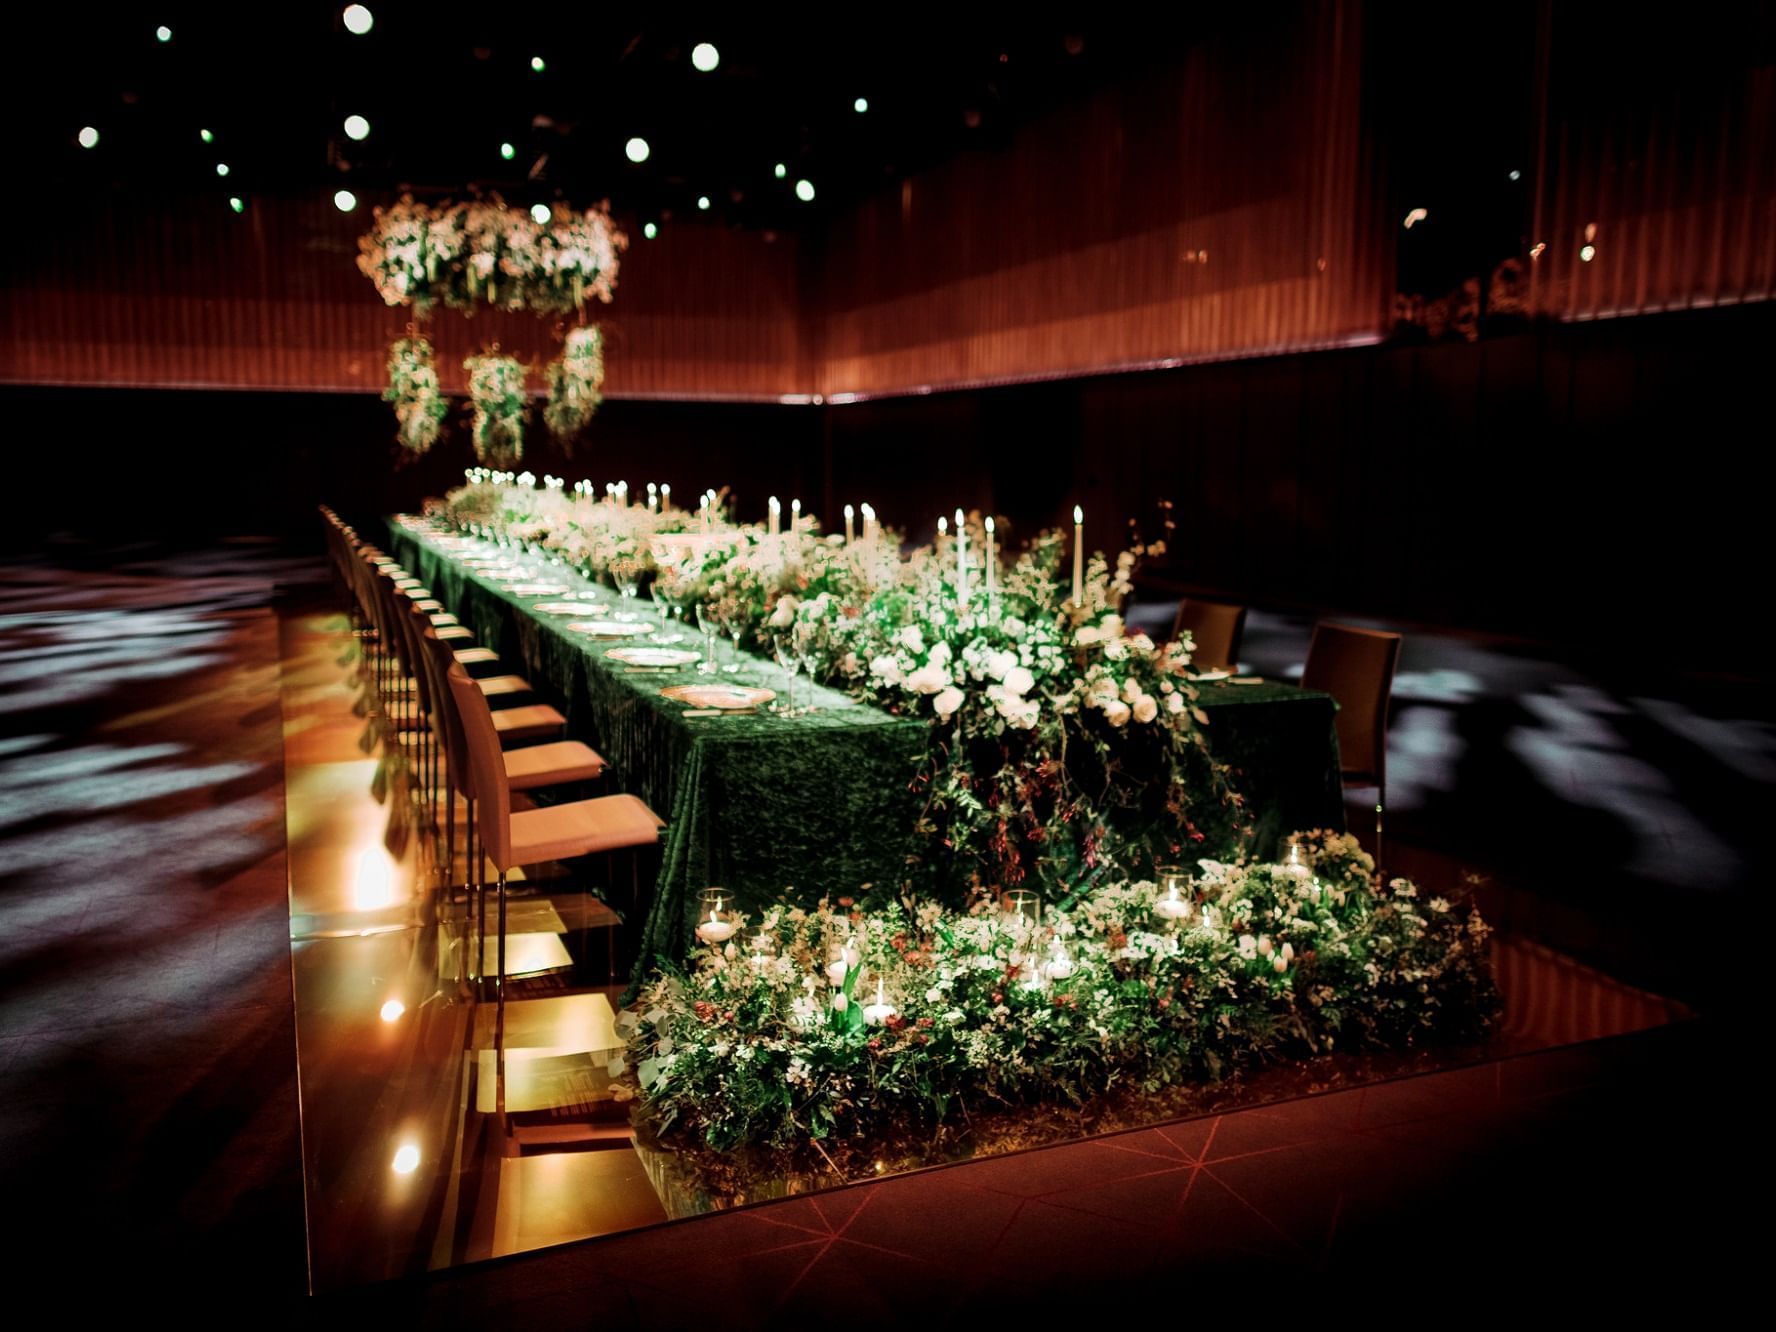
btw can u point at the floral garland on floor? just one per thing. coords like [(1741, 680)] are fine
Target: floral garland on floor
[(841, 1021), (1061, 744), (486, 253), (418, 397), (496, 390), (576, 383)]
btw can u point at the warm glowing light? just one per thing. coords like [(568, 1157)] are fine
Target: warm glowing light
[(163, 33), (703, 202), (508, 152), (345, 201), (1535, 251), (1590, 231), (373, 878), (805, 191), (237, 203), (356, 127), (637, 150), (650, 230), (358, 19), (780, 171), (1516, 175), (1078, 515), (536, 65), (393, 1010), (705, 57), (206, 136), (221, 168), (88, 137), (406, 1159), (1587, 253), (860, 105), (540, 214), (1415, 216)]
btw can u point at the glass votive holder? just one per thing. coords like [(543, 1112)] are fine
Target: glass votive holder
[(1294, 862), (1022, 908), (716, 918), (1174, 892)]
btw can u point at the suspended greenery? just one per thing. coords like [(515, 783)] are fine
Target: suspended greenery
[(576, 383), (417, 395), (496, 391)]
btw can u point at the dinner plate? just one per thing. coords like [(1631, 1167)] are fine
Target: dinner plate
[(652, 656), (727, 698), (608, 628), (568, 607), (535, 589), (1209, 677)]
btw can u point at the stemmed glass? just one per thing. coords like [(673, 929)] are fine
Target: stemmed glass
[(626, 574), (807, 650), (736, 627), (783, 647), (666, 607), (707, 622)]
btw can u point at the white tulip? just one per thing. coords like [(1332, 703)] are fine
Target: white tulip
[(1146, 709), (835, 972), (947, 701), (839, 1002), (1279, 964), (851, 955)]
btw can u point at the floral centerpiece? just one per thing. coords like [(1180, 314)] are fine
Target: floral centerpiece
[(841, 1020), (418, 398)]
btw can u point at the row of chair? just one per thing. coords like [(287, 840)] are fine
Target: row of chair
[(442, 724), (1355, 666)]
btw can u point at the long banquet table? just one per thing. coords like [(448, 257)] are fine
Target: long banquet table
[(818, 804)]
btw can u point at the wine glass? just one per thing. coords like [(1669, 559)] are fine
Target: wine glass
[(707, 622), (736, 627), (807, 650), (665, 606), (783, 647)]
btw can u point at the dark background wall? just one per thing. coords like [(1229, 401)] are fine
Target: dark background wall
[(1602, 483)]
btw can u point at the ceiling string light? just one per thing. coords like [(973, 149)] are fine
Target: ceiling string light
[(358, 19), (345, 200), (356, 127), (88, 137), (163, 33), (637, 150), (508, 152), (540, 214), (805, 191), (705, 57)]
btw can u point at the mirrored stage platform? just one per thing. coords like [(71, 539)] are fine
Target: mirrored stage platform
[(435, 1137)]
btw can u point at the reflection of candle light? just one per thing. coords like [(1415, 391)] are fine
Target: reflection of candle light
[(850, 534), (795, 514), (774, 512), (943, 525), (1060, 966), (665, 498), (961, 562)]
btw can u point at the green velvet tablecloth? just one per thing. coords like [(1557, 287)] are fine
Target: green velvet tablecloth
[(778, 808), (770, 807)]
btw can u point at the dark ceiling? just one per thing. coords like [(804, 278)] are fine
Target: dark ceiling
[(274, 83)]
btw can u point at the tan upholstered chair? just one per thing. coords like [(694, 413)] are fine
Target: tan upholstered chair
[(1215, 628), (1356, 667), (528, 837)]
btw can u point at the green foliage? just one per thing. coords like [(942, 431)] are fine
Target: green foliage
[(418, 398), (496, 390), (576, 383)]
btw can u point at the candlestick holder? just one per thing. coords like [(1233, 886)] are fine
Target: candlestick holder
[(717, 921)]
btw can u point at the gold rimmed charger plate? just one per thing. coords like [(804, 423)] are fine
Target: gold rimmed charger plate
[(656, 657), (722, 697), (608, 628)]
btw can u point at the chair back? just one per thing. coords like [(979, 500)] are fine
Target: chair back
[(487, 767), (1215, 628), (1356, 667), (436, 658)]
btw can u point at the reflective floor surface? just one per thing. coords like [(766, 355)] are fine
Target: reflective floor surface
[(431, 1139)]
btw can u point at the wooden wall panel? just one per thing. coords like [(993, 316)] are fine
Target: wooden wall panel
[(183, 293), (1218, 207)]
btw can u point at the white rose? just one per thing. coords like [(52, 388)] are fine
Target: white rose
[(930, 678), (1146, 709), (1116, 712), (1087, 636), (1000, 663), (1174, 703), (1141, 643), (1026, 715), (1019, 681), (1131, 689), (888, 669), (911, 638), (933, 995), (784, 615), (1116, 649), (1111, 626), (940, 654), (1248, 946), (947, 701)]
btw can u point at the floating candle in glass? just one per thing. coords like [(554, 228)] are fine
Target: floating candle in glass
[(879, 1012), (1174, 895), (715, 919)]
